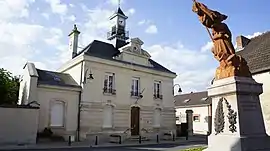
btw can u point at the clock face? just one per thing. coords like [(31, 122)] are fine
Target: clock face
[(121, 21)]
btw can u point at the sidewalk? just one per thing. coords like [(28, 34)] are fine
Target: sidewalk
[(180, 141)]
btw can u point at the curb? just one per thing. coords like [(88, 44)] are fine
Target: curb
[(101, 146)]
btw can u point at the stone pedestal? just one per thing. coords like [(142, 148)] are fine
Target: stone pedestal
[(237, 121), (189, 118)]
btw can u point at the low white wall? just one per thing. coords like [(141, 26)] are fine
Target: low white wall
[(200, 126), (18, 125)]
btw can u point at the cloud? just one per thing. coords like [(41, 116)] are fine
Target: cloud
[(45, 15), (193, 74), (254, 35), (56, 35), (96, 26), (131, 11), (207, 47), (144, 22), (57, 7), (71, 18), (47, 44), (17, 46), (115, 2), (71, 5), (152, 29), (14, 9)]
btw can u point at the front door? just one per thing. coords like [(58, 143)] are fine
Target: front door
[(135, 120)]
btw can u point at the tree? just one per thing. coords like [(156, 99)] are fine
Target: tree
[(9, 87)]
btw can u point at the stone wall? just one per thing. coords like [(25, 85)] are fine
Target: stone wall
[(18, 124), (92, 122)]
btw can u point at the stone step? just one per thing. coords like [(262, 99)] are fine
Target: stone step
[(136, 138)]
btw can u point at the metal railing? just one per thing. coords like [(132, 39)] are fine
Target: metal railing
[(158, 96), (109, 90)]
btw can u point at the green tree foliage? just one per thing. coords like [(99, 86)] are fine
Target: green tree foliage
[(195, 149), (9, 88)]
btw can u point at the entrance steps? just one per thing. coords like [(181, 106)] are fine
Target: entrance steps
[(137, 137)]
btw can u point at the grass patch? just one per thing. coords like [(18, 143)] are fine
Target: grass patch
[(195, 149)]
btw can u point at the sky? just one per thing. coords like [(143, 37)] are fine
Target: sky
[(37, 31)]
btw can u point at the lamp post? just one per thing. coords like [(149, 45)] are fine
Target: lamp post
[(179, 90), (87, 77), (82, 81), (212, 81)]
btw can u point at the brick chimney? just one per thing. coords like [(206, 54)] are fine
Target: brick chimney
[(241, 42)]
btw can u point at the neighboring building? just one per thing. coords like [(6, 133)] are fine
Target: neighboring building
[(200, 104), (256, 51), (103, 89)]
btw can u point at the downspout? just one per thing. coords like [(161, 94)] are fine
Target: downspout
[(79, 107)]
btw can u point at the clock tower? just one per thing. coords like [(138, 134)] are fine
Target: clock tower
[(118, 31)]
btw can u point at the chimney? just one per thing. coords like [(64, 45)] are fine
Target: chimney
[(241, 42), (73, 41)]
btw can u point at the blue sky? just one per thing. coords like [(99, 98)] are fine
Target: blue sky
[(36, 31)]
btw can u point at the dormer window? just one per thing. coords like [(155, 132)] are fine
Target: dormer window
[(134, 48)]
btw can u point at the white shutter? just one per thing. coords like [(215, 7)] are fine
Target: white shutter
[(57, 114)]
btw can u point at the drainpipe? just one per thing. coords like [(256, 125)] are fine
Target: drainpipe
[(79, 107)]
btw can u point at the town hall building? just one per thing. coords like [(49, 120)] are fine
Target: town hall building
[(103, 89)]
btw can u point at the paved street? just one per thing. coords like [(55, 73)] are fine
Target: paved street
[(155, 147)]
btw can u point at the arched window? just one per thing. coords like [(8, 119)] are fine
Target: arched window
[(57, 114), (157, 117)]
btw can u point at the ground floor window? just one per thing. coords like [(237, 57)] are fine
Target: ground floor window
[(57, 114), (196, 118), (157, 117), (108, 116)]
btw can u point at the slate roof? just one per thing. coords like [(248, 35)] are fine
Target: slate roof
[(192, 99), (119, 11), (257, 53), (56, 78), (108, 51)]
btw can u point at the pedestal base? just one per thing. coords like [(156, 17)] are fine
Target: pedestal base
[(233, 143), (237, 117)]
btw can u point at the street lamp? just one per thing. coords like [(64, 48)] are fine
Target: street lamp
[(212, 81), (87, 77), (179, 90)]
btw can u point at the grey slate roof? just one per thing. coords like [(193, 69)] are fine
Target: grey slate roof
[(119, 11), (192, 99), (108, 51), (257, 53), (56, 78)]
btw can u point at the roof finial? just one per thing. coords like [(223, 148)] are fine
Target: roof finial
[(119, 2), (75, 27)]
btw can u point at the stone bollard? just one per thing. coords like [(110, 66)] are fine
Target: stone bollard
[(96, 141), (69, 140)]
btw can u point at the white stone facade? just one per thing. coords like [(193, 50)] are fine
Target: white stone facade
[(200, 118), (106, 112), (264, 78), (105, 101)]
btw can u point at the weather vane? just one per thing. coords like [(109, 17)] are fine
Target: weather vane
[(119, 1)]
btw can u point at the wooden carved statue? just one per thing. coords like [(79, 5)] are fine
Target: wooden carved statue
[(223, 50)]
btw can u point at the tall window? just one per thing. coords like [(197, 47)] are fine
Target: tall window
[(57, 114), (135, 87), (157, 90), (109, 83)]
